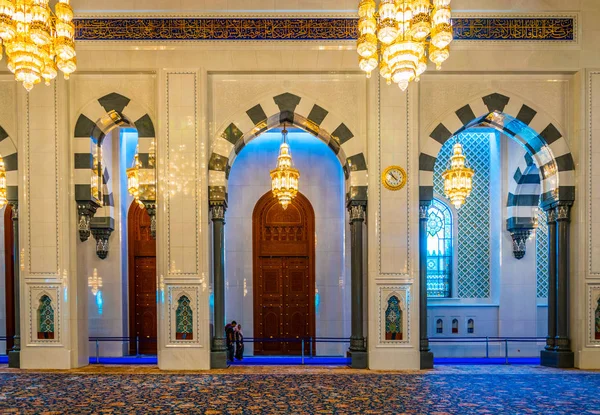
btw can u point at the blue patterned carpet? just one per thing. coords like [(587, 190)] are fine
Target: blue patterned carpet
[(357, 393)]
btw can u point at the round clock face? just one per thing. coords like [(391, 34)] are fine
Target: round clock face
[(394, 178)]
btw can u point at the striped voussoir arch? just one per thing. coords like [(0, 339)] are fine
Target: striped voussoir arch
[(542, 139), (96, 120), (291, 109), (523, 196), (8, 151)]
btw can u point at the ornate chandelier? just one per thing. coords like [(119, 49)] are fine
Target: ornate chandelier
[(400, 35), (133, 178), (458, 180), (284, 178), (3, 199), (37, 41)]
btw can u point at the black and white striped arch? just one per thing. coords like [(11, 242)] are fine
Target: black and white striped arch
[(523, 195), (510, 115), (8, 151), (96, 120), (291, 109)]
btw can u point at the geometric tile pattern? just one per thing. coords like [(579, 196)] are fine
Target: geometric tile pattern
[(541, 257), (184, 317), (491, 390), (474, 216)]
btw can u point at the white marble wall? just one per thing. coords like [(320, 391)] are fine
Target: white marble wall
[(182, 257), (322, 182)]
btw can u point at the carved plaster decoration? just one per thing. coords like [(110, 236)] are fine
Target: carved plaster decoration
[(86, 211), (217, 211), (519, 239), (101, 236)]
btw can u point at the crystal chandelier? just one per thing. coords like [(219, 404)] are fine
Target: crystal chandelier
[(400, 35), (284, 178), (3, 199), (133, 178), (458, 180), (37, 41)]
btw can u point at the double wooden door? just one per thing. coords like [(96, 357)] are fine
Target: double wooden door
[(143, 320), (284, 275), (284, 307)]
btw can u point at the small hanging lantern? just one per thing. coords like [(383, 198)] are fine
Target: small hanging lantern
[(458, 180), (284, 178), (3, 199)]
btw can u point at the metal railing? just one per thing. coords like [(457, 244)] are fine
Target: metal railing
[(489, 340), (304, 343)]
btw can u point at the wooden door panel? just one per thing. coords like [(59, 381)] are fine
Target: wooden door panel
[(284, 282)]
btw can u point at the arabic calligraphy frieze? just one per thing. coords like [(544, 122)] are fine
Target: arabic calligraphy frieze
[(308, 29)]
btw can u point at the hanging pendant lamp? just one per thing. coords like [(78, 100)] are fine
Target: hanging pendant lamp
[(284, 178), (458, 180)]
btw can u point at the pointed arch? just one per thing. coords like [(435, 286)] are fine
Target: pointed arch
[(297, 110), (542, 138), (523, 196), (99, 117)]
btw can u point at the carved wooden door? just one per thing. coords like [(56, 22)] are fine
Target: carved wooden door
[(142, 281), (284, 277)]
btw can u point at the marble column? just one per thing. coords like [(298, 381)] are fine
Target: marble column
[(218, 355), (14, 355), (426, 354), (552, 282), (561, 355), (358, 349)]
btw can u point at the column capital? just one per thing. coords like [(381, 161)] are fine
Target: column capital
[(217, 210), (563, 212), (357, 211), (86, 211), (551, 215)]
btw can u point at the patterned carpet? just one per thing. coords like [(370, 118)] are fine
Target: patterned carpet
[(443, 391)]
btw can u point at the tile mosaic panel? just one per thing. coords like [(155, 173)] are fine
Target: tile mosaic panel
[(394, 315), (473, 243)]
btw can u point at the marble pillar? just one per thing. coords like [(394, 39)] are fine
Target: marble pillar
[(218, 353)]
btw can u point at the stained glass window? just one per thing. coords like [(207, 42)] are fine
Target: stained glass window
[(393, 319), (45, 314), (184, 319), (471, 326), (455, 326), (439, 250), (597, 316), (439, 326)]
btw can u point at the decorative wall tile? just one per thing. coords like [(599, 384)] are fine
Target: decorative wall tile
[(594, 315), (473, 217), (41, 319), (394, 315), (181, 300)]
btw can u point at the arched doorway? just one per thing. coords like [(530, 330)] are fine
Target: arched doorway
[(142, 281), (9, 269), (284, 274)]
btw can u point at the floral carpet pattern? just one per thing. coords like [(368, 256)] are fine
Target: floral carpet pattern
[(450, 391)]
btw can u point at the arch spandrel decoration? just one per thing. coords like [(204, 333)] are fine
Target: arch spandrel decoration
[(292, 109), (95, 121), (533, 129)]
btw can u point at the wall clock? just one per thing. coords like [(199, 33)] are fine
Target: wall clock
[(394, 178)]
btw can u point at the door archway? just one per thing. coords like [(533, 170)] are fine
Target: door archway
[(143, 320), (284, 274)]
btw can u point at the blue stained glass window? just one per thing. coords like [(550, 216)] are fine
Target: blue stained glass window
[(393, 319), (439, 250), (439, 326), (184, 319)]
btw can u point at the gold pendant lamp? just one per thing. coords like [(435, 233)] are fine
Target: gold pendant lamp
[(284, 178), (458, 180)]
